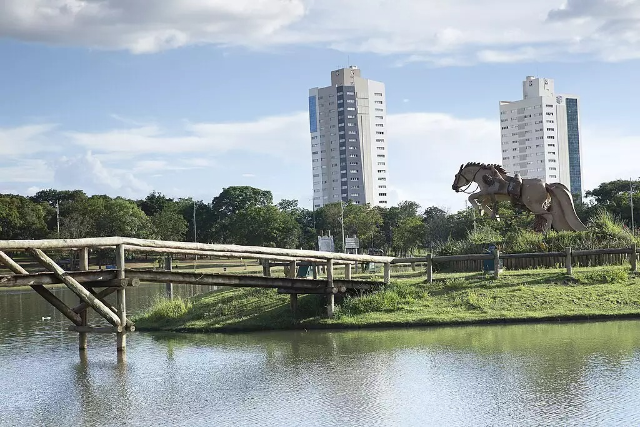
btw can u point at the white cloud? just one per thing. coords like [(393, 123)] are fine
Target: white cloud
[(145, 27), (88, 173), (277, 136), (455, 32), (25, 170), (28, 139)]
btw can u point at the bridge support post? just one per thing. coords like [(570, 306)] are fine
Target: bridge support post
[(496, 263), (293, 297), (121, 304), (567, 261), (430, 268), (330, 296), (84, 314), (387, 273), (634, 258), (315, 271), (168, 265), (347, 271)]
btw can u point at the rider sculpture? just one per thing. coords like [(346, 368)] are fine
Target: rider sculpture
[(551, 203)]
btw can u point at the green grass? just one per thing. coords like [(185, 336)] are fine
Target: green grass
[(451, 299)]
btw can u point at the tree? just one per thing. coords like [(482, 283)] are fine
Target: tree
[(169, 224), (264, 226), (155, 203), (362, 221), (235, 199), (409, 234), (114, 217), (614, 197), (20, 218)]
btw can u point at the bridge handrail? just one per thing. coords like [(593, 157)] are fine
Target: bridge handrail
[(93, 242)]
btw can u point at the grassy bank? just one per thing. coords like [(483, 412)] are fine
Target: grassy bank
[(451, 299)]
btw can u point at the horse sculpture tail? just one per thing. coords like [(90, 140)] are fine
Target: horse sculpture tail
[(562, 209)]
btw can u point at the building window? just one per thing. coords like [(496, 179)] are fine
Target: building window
[(382, 194), (378, 93), (378, 102), (381, 164), (380, 117), (381, 171), (379, 133)]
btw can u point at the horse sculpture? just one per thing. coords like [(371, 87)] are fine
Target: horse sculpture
[(551, 203)]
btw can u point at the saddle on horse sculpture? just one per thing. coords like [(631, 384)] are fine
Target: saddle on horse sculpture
[(510, 185)]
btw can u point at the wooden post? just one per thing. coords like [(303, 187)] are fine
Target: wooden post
[(293, 297), (430, 268), (567, 261), (168, 265), (347, 271), (315, 271), (82, 336), (387, 273), (633, 258), (413, 266), (267, 268), (496, 263), (121, 303), (330, 299)]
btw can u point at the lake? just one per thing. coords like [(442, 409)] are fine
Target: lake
[(530, 374)]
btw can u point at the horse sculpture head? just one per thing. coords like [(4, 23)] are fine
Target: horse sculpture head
[(459, 180)]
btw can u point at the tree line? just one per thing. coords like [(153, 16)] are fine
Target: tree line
[(247, 215)]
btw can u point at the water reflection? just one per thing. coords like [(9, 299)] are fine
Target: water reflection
[(547, 374)]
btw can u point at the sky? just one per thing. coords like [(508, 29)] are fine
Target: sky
[(187, 97)]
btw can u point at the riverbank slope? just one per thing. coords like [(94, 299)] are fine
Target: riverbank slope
[(529, 295)]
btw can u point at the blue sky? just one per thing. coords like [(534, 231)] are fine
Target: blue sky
[(187, 97)]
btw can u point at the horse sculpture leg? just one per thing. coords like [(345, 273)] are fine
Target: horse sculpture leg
[(481, 207)]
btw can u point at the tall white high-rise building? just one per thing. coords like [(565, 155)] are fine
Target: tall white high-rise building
[(349, 140), (541, 135)]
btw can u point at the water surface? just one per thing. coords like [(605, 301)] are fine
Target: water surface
[(544, 374)]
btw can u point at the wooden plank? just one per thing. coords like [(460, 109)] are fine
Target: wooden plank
[(241, 281), (76, 287), (96, 330), (601, 252), (450, 258), (218, 254), (97, 279), (411, 260), (319, 291), (533, 255)]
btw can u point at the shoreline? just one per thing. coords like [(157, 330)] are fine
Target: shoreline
[(578, 318), (529, 296)]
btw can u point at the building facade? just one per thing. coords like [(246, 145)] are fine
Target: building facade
[(540, 135), (348, 127)]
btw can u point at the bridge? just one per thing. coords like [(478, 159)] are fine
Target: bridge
[(93, 286)]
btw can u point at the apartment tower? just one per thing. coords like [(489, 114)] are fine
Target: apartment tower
[(541, 135), (348, 128)]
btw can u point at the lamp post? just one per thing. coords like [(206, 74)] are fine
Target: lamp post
[(344, 247), (631, 204)]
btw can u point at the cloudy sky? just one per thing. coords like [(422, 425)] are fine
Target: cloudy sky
[(186, 97)]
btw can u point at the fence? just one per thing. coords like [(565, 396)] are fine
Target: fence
[(567, 259)]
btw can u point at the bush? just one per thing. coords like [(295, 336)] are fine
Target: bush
[(603, 275)]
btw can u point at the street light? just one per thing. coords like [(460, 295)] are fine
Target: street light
[(344, 246), (631, 203)]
